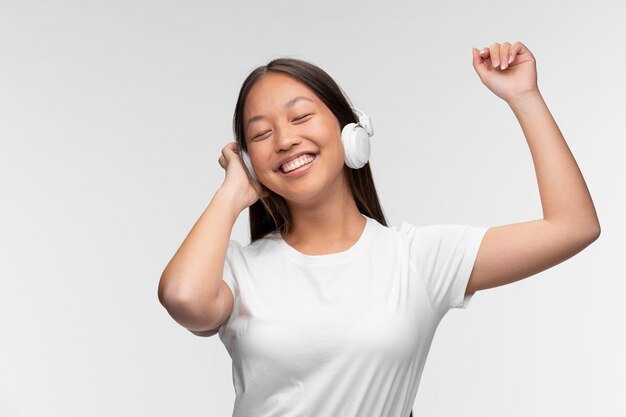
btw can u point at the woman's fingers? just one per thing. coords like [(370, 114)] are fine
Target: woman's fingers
[(501, 55), (487, 55), (504, 55), (230, 146), (515, 49), (494, 54)]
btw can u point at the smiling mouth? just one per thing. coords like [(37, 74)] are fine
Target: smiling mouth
[(304, 160), (301, 168)]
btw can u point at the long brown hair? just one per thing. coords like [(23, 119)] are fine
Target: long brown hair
[(272, 213)]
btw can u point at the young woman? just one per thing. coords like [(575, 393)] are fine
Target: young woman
[(329, 311)]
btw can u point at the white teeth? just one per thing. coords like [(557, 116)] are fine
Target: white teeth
[(298, 162)]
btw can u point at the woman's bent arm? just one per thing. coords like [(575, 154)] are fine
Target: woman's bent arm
[(191, 282)]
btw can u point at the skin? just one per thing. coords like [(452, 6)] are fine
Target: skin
[(325, 217)]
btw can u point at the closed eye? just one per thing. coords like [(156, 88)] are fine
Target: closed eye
[(297, 118)]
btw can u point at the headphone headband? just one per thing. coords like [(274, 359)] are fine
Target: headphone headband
[(365, 122)]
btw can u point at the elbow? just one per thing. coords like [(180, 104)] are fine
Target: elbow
[(175, 303), (585, 231), (167, 293), (594, 231), (189, 312), (161, 291), (591, 235)]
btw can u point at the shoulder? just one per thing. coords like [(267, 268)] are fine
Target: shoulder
[(260, 248)]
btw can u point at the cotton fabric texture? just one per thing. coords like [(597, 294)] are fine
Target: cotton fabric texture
[(342, 334)]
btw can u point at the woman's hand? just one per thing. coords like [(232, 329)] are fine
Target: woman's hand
[(508, 71), (237, 181)]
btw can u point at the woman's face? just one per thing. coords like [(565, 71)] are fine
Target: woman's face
[(288, 127)]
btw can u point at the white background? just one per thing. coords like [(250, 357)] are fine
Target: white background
[(112, 118)]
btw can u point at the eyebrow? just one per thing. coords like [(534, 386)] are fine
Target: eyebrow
[(288, 104)]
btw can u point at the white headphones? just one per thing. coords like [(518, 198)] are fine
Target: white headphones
[(356, 143)]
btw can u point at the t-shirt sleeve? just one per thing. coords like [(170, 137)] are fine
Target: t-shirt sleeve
[(233, 252), (444, 256)]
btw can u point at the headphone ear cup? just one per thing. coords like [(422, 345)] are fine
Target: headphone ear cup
[(247, 164), (356, 145)]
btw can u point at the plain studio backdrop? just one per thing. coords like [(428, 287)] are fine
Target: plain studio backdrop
[(112, 118)]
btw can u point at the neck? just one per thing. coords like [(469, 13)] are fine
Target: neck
[(335, 218)]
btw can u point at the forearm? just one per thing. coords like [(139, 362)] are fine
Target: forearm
[(195, 271), (565, 198)]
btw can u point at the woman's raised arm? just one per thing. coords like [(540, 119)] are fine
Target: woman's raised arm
[(511, 252)]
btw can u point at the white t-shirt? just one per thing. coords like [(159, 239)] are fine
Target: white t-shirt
[(343, 334)]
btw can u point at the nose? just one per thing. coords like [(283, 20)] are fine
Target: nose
[(285, 137)]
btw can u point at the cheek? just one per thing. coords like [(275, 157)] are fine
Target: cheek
[(328, 134), (332, 146), (333, 153)]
